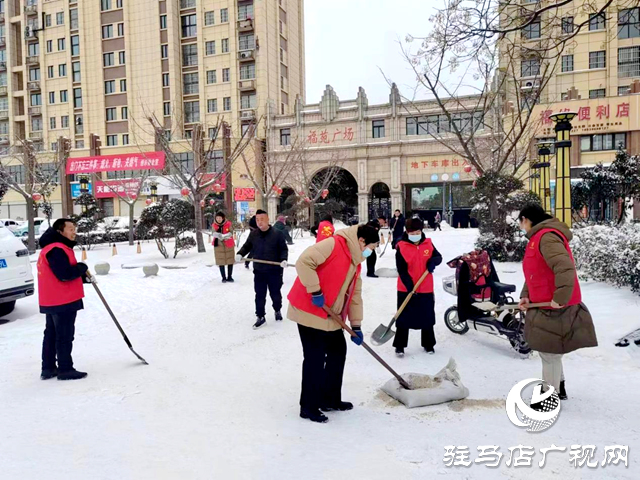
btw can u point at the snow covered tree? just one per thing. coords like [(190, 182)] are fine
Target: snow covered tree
[(150, 227), (177, 217), (626, 169), (88, 220), (596, 191)]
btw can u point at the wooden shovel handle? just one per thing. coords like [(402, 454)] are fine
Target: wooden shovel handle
[(406, 300)]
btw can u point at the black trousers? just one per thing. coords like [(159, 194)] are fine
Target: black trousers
[(427, 338), (371, 263), (437, 227), (229, 269), (271, 281), (58, 341), (323, 366)]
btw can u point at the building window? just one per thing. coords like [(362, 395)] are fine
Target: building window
[(17, 173), (79, 144), (47, 20), (190, 55), (73, 18), (224, 15), (64, 96), (530, 67), (191, 112), (225, 45), (166, 109), (246, 42), (34, 49), (125, 139), (532, 31), (248, 71), (62, 70), (34, 74), (105, 5), (121, 29), (123, 85), (629, 62), (163, 22), (624, 90), (75, 71), (50, 72), (285, 136), (164, 51), (629, 23), (245, 11), (187, 3), (52, 123), (378, 128), (226, 75), (109, 86), (211, 77), (122, 58), (189, 26), (61, 44), (36, 124), (567, 63), (226, 103), (111, 114), (165, 79), (567, 25), (75, 45), (77, 98), (64, 121), (606, 141), (190, 83), (209, 18), (49, 46), (212, 105), (598, 59), (107, 31), (596, 21), (119, 3), (248, 101), (52, 97), (36, 100), (60, 18), (79, 124), (210, 47), (112, 140), (108, 59), (213, 133), (599, 93)]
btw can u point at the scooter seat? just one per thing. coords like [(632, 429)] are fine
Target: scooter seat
[(503, 287)]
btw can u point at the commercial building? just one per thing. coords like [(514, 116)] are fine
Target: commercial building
[(72, 68)]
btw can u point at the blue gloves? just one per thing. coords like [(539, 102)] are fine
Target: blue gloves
[(318, 299), (360, 338)]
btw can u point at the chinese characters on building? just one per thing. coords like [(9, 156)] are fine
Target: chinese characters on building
[(324, 136), (591, 119), (117, 188), (438, 163), (112, 163)]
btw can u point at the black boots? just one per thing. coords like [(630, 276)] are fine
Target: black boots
[(278, 317), (313, 414), (259, 322), (340, 407), (562, 393), (49, 373), (71, 375), (400, 352)]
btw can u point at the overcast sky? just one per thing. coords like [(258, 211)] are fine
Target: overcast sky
[(349, 41)]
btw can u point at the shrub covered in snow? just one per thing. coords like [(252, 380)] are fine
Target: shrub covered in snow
[(609, 254)]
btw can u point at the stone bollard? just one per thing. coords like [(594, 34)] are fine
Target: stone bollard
[(150, 269), (102, 268)]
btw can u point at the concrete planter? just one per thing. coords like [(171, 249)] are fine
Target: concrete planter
[(102, 268), (150, 269)]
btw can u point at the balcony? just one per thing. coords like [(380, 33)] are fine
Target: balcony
[(4, 90), (4, 139), (3, 66), (246, 56), (246, 85), (4, 114), (31, 9), (35, 136), (35, 110), (248, 114), (33, 60), (35, 85), (2, 17), (245, 25), (3, 42)]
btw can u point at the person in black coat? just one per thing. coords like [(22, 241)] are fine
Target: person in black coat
[(419, 314), (60, 292), (266, 243), (252, 226), (397, 227), (371, 260)]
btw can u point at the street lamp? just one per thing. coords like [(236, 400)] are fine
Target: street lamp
[(544, 166), (84, 188), (563, 162), (154, 192)]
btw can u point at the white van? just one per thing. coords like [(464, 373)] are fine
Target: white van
[(16, 277), (9, 223)]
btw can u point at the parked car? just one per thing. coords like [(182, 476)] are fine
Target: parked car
[(23, 229), (16, 277), (9, 223)]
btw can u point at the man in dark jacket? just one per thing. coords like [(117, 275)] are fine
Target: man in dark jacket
[(371, 260), (252, 226), (282, 228), (397, 227), (266, 243), (60, 291)]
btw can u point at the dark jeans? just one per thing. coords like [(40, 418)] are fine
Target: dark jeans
[(229, 270), (324, 357), (371, 263), (58, 341), (428, 338), (262, 282), (437, 227)]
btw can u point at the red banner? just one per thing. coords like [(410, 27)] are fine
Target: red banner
[(113, 163), (117, 188), (220, 178), (244, 194)]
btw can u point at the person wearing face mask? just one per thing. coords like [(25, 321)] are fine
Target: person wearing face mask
[(328, 274), (397, 227), (415, 254)]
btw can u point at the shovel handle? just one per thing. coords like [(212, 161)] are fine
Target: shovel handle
[(413, 292), (265, 262)]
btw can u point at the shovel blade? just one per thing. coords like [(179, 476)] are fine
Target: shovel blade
[(382, 335)]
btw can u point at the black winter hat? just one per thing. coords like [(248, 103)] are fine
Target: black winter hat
[(414, 225)]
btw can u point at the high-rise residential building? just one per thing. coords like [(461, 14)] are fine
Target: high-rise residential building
[(73, 68)]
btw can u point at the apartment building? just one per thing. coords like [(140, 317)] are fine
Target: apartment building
[(74, 68)]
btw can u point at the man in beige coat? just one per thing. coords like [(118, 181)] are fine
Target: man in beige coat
[(328, 274)]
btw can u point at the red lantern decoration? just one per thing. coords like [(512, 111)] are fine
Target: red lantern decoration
[(185, 192), (148, 201), (467, 169), (36, 197), (201, 203), (280, 191), (275, 188), (133, 196), (475, 183), (301, 193), (325, 193), (308, 200), (212, 202)]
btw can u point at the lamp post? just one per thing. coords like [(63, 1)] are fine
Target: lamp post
[(84, 188), (154, 192), (563, 161), (544, 167)]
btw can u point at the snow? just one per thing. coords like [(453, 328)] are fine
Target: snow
[(220, 400)]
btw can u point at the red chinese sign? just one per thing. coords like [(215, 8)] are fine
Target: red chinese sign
[(584, 113), (454, 162), (215, 178), (324, 136), (117, 188), (114, 163), (244, 194)]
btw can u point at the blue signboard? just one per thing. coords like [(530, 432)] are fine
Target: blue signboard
[(75, 189), (456, 177), (434, 177)]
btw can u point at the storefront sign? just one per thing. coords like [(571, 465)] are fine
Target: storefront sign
[(75, 189), (324, 136), (117, 188), (244, 194), (113, 163), (444, 163)]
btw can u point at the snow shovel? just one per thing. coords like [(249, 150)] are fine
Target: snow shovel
[(383, 333), (113, 317), (267, 262), (340, 322), (386, 245), (492, 307)]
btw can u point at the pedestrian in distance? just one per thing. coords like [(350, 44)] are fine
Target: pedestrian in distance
[(416, 254), (550, 277), (397, 227), (281, 226), (224, 246), (324, 230), (437, 222), (60, 294), (328, 274), (371, 260), (266, 243)]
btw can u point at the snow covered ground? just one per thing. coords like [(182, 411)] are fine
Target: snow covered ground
[(220, 400)]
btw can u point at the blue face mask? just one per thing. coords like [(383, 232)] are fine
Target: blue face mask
[(415, 238), (367, 253)]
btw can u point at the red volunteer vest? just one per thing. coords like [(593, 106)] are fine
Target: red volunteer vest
[(226, 228), (539, 277), (416, 257), (325, 230), (332, 274), (51, 291)]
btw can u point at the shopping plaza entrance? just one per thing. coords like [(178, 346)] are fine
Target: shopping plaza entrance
[(451, 199)]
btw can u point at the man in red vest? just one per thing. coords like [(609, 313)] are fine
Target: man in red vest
[(328, 274), (60, 292)]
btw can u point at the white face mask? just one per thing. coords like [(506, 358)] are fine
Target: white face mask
[(366, 253), (415, 238)]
